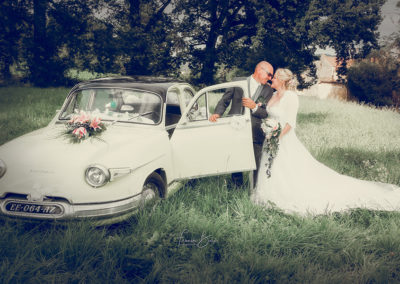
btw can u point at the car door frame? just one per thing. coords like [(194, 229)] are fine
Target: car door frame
[(194, 153)]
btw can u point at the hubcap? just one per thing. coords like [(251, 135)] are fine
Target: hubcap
[(149, 192)]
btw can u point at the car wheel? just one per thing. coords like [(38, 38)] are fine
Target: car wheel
[(153, 188)]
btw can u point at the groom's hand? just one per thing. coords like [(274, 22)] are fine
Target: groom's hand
[(214, 117), (247, 102)]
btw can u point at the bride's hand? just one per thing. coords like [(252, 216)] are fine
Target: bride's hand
[(285, 130)]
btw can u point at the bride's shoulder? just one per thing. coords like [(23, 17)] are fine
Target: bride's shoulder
[(291, 93), (291, 96)]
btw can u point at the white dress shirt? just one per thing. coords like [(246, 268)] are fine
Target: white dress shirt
[(253, 87)]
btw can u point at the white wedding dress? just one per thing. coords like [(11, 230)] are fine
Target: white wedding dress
[(301, 184)]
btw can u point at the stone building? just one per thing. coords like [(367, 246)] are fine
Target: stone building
[(327, 85)]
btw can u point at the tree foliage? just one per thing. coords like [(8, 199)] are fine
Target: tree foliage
[(214, 32), (348, 26), (144, 34), (376, 79), (142, 37), (371, 83), (12, 27), (282, 36)]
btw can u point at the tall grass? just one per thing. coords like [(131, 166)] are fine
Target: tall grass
[(353, 139), (25, 109), (206, 233)]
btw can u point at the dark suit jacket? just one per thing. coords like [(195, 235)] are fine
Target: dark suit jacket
[(235, 95)]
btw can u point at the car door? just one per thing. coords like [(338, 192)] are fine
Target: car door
[(203, 148)]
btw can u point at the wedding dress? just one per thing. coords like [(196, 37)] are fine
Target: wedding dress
[(301, 184)]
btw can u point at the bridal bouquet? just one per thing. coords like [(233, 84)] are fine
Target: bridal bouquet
[(272, 130), (83, 126)]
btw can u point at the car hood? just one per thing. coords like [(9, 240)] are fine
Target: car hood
[(48, 160)]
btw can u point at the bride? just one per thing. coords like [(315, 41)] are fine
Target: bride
[(301, 184)]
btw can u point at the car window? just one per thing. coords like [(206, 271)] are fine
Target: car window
[(172, 97), (230, 105), (173, 110), (113, 104), (198, 111), (187, 96)]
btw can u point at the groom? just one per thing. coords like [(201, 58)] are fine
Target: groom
[(260, 93)]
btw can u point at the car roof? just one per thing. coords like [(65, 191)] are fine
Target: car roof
[(158, 85)]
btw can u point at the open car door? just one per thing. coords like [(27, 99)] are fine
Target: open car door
[(204, 148)]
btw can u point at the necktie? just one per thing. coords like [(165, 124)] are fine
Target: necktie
[(257, 93)]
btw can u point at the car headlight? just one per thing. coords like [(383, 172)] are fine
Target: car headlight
[(97, 175), (3, 168)]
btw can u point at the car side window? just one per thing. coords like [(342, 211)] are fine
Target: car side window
[(198, 111), (172, 97), (173, 111), (187, 96), (227, 101)]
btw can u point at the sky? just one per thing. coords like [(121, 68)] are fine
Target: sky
[(391, 19), (389, 25)]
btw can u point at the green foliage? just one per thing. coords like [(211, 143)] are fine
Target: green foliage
[(147, 38), (142, 37), (215, 32), (371, 83), (349, 27), (11, 29), (282, 38)]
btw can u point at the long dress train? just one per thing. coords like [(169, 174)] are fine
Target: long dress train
[(301, 184)]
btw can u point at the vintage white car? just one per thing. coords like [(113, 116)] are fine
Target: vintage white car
[(157, 135)]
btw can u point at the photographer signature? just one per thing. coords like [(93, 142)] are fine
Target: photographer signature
[(204, 240)]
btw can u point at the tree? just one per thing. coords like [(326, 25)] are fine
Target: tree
[(371, 83), (146, 37), (348, 26), (78, 36), (282, 38), (213, 30), (284, 32), (12, 27)]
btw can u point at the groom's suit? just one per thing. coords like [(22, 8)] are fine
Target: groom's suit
[(262, 95)]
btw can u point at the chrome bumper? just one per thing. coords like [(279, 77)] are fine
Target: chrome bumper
[(62, 210)]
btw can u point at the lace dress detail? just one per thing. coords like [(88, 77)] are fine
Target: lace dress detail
[(301, 184)]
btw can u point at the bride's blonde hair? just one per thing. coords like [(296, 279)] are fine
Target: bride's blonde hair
[(287, 76)]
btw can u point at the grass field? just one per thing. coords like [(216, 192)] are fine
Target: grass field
[(207, 234)]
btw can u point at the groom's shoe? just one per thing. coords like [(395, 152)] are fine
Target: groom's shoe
[(236, 181)]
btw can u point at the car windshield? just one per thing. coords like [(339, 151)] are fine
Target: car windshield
[(112, 104)]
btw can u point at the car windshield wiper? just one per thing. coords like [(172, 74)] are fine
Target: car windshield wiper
[(140, 114), (134, 116)]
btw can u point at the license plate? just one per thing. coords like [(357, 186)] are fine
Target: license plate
[(32, 208)]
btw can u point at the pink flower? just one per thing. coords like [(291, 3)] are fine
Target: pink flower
[(82, 118), (80, 132), (95, 123)]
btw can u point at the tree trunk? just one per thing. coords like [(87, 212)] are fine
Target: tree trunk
[(38, 64), (5, 68), (134, 13), (210, 57), (210, 54)]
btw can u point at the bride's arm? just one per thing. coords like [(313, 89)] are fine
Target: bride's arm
[(290, 107), (285, 130)]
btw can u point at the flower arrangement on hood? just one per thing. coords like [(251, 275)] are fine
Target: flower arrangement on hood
[(82, 126)]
